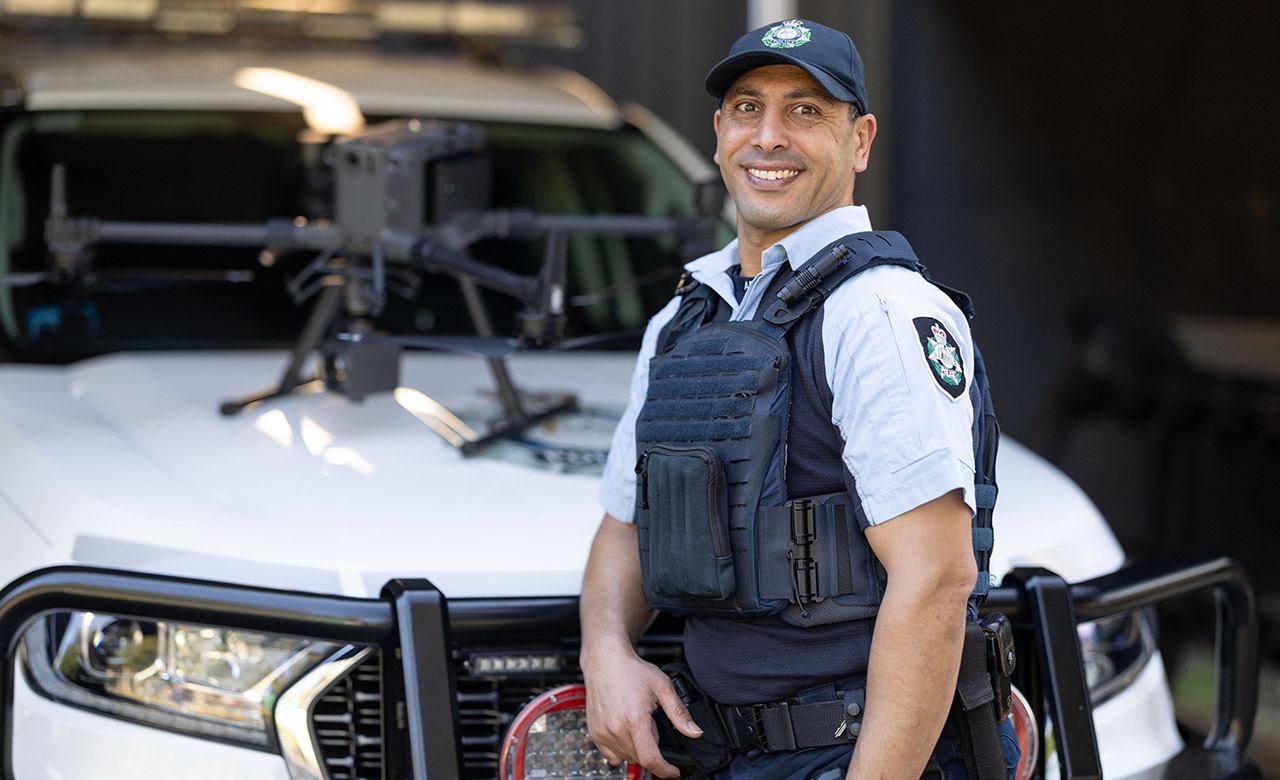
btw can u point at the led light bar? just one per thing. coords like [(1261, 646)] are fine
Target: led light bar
[(505, 664)]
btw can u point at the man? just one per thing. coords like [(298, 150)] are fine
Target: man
[(871, 416)]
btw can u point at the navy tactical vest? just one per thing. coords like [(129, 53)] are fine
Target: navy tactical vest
[(720, 534)]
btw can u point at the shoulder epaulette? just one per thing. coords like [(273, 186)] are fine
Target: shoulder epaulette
[(687, 283)]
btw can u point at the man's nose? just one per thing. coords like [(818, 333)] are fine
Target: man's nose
[(771, 131)]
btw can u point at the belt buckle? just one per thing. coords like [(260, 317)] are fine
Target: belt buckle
[(742, 725), (788, 733), (773, 729)]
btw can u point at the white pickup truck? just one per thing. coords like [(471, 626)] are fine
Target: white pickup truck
[(369, 569)]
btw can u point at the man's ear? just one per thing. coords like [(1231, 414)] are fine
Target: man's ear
[(715, 124), (864, 131)]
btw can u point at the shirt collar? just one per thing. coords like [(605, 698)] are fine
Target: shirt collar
[(796, 247), (710, 270)]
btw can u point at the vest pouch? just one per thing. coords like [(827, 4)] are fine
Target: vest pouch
[(684, 515)]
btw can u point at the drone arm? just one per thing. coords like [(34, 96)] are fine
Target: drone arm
[(65, 233), (435, 258)]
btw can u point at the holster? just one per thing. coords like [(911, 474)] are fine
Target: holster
[(983, 696), (1001, 660), (694, 757)]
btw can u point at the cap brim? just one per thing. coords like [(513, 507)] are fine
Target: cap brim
[(731, 68)]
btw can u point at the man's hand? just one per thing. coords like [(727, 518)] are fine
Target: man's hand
[(621, 698), (623, 690)]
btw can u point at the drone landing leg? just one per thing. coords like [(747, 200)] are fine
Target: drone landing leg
[(326, 310), (517, 420), (497, 366), (512, 427)]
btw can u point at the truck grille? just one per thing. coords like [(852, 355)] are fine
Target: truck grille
[(348, 725), (360, 730)]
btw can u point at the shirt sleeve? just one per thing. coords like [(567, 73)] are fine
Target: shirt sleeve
[(898, 357), (618, 489)]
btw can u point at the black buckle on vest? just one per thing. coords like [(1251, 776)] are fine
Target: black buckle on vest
[(804, 570)]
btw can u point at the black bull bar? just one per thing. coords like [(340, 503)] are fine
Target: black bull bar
[(415, 617)]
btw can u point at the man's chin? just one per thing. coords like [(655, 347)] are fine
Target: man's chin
[(770, 221)]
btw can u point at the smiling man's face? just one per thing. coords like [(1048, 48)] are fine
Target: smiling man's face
[(787, 150)]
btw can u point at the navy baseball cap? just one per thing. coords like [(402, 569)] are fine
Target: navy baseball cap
[(827, 55)]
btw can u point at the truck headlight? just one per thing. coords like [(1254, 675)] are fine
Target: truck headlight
[(210, 682), (1115, 650)]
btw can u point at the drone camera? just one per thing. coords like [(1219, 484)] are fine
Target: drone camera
[(394, 179)]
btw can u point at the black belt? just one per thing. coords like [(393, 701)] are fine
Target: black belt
[(834, 719)]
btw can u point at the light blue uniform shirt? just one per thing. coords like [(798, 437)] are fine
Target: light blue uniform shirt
[(906, 440)]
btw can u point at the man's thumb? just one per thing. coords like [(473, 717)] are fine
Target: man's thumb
[(679, 716)]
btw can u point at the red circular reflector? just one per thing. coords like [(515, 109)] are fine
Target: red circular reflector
[(1024, 726), (549, 735)]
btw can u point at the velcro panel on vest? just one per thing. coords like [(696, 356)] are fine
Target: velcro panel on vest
[(983, 539), (726, 387)]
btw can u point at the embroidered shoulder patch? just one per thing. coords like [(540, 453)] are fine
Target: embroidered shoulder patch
[(942, 354)]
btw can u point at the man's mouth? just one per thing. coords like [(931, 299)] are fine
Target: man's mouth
[(772, 175)]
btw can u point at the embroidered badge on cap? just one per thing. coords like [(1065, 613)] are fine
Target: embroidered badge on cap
[(943, 355), (787, 35)]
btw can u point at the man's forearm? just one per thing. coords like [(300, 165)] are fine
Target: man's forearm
[(918, 637), (612, 608), (623, 689), (911, 680)]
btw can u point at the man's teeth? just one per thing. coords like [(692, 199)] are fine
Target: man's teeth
[(771, 175)]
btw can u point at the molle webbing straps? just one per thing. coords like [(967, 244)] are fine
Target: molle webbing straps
[(986, 437)]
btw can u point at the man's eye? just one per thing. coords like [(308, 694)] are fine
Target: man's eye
[(806, 110), (745, 107)]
